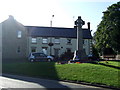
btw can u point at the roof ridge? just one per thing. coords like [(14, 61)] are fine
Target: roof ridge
[(50, 27)]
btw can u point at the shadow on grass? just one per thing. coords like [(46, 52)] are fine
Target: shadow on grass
[(97, 62), (35, 69), (109, 65)]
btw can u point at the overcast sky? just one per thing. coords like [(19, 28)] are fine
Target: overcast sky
[(39, 12)]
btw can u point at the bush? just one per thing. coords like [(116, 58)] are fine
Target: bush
[(66, 55), (95, 53)]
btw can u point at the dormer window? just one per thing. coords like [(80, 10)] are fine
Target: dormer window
[(19, 34)]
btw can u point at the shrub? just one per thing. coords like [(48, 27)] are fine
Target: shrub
[(67, 55)]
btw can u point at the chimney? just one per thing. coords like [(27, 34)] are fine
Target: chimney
[(88, 25), (11, 17), (75, 27)]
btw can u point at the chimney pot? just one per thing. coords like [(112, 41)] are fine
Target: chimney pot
[(88, 25), (11, 17)]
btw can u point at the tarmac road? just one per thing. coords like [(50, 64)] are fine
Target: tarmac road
[(14, 81)]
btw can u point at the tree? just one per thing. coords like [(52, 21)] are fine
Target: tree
[(108, 31), (95, 53)]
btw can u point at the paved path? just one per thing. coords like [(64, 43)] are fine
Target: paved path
[(14, 81)]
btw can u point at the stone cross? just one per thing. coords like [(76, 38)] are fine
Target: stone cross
[(79, 25), (80, 52)]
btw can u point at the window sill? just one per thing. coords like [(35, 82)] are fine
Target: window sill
[(19, 37), (57, 43), (33, 43), (69, 43), (44, 43)]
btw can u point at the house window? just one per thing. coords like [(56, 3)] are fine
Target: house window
[(68, 49), (57, 40), (34, 40), (19, 34), (83, 41), (18, 49), (33, 49), (45, 40), (68, 41)]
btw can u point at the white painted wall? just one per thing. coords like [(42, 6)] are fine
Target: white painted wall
[(62, 46)]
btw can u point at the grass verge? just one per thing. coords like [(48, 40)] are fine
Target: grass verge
[(85, 72)]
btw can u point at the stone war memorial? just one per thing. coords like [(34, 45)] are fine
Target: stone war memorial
[(80, 54)]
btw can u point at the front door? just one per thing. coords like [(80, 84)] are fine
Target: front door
[(44, 50), (56, 52)]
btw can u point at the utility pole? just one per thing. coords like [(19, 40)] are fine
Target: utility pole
[(80, 52), (51, 44), (51, 21)]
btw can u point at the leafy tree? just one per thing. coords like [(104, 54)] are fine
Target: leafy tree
[(108, 31), (95, 53)]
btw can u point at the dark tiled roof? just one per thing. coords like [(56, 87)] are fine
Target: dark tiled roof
[(36, 31)]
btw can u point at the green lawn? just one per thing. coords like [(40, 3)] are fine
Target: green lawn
[(86, 72)]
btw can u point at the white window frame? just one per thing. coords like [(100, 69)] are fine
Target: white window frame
[(34, 40), (57, 41), (69, 42), (19, 34), (44, 40)]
